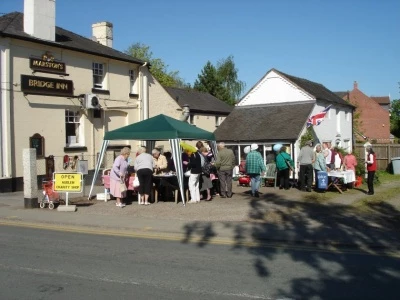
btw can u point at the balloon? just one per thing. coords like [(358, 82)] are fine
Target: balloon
[(277, 147), (188, 147)]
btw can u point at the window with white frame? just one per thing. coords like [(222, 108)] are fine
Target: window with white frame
[(338, 121), (347, 116), (132, 80), (346, 144), (328, 115), (217, 121), (72, 128), (98, 75)]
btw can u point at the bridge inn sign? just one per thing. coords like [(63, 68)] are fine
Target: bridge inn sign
[(46, 86)]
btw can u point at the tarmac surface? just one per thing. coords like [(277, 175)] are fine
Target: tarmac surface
[(277, 217)]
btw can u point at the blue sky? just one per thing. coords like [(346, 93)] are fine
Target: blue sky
[(331, 42)]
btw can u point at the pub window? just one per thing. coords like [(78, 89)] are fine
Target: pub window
[(132, 80), (98, 75), (72, 127)]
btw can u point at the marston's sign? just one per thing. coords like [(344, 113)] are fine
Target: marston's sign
[(67, 182), (46, 86), (47, 66)]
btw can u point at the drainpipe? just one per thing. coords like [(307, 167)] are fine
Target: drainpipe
[(144, 97)]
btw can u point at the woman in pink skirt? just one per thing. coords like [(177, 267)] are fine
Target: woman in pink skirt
[(118, 174)]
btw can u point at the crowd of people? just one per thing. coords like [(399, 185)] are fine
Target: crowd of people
[(209, 176)]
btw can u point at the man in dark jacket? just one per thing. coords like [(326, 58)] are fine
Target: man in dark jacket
[(225, 163)]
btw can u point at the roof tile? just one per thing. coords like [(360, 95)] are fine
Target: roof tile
[(199, 101), (270, 122)]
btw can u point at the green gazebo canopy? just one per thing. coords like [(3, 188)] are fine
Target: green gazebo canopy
[(158, 128)]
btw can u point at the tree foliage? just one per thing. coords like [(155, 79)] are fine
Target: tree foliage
[(395, 118), (158, 68), (220, 81), (228, 73), (209, 82), (307, 136)]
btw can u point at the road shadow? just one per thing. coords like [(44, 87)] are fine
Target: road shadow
[(358, 247)]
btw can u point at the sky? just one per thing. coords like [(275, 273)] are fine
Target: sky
[(332, 42)]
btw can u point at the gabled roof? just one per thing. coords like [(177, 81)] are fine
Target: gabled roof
[(315, 89), (270, 122), (12, 25), (199, 101), (381, 100)]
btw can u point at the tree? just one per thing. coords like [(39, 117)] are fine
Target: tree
[(395, 118), (227, 72), (220, 81), (307, 136), (209, 82), (158, 68)]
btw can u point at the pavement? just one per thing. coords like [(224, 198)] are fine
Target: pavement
[(277, 217)]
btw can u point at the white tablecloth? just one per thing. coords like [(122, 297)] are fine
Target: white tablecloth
[(348, 176)]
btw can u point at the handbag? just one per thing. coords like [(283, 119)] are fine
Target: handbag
[(136, 182), (287, 161), (122, 187)]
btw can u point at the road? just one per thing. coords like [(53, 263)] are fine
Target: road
[(46, 264)]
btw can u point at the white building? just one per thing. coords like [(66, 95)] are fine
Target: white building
[(276, 109)]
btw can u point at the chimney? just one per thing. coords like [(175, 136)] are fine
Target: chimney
[(40, 19), (355, 86), (103, 33)]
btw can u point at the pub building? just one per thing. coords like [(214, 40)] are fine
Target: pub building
[(61, 91)]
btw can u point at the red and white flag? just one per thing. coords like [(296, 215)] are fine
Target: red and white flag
[(318, 118)]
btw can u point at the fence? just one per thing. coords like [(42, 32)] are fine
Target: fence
[(384, 154)]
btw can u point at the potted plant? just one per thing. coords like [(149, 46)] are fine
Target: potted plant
[(360, 169)]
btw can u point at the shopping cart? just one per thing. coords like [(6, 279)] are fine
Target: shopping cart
[(50, 197)]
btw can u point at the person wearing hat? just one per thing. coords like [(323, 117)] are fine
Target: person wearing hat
[(225, 163), (254, 168), (305, 160)]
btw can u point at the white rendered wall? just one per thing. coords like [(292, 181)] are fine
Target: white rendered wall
[(273, 88), (5, 110), (329, 130)]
